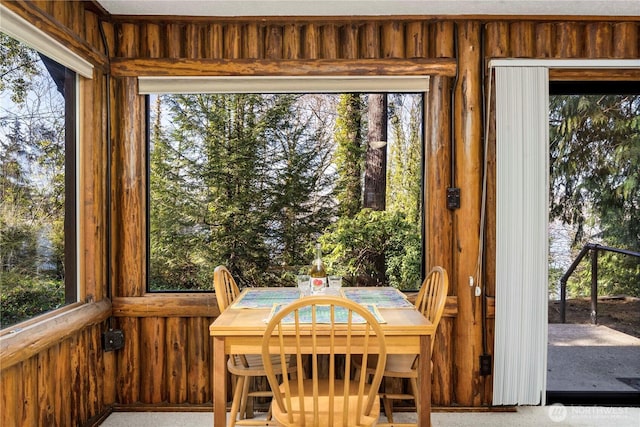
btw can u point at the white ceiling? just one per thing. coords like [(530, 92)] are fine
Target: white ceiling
[(372, 7)]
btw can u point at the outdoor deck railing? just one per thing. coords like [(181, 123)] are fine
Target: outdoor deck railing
[(594, 248)]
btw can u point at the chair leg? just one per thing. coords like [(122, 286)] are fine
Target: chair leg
[(245, 397), (237, 396), (388, 409), (416, 394)]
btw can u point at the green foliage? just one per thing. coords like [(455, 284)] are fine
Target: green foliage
[(595, 172), (351, 246), (23, 297), (32, 185), (240, 180), (404, 184), (17, 67), (349, 153)]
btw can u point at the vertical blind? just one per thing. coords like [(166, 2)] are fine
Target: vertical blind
[(522, 139)]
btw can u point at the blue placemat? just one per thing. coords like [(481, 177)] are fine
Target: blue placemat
[(323, 314), (266, 298), (381, 297)]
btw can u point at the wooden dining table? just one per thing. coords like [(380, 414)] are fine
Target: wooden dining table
[(240, 329)]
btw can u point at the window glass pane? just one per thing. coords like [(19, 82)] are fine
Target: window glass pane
[(252, 181), (33, 189)]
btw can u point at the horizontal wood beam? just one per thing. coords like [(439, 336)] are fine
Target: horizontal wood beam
[(571, 74), (167, 305), (121, 67), (28, 342)]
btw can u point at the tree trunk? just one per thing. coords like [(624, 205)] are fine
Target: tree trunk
[(375, 177)]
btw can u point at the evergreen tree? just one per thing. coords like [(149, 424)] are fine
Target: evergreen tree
[(349, 154), (241, 181), (404, 184), (595, 179)]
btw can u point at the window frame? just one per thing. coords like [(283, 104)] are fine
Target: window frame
[(157, 85), (75, 67)]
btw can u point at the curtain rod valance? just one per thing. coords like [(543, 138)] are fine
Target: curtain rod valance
[(21, 30), (282, 84)]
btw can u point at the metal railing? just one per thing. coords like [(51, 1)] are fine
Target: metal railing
[(594, 248)]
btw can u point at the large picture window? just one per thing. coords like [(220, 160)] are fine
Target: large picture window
[(37, 183), (252, 181)]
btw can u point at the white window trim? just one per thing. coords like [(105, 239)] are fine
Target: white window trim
[(282, 84), (23, 31)]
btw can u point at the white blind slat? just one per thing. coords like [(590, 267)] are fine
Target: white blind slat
[(521, 235)]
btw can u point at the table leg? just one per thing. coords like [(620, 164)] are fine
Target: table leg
[(219, 382), (424, 382)]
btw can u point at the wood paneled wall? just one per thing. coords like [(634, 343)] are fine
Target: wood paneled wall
[(167, 355)]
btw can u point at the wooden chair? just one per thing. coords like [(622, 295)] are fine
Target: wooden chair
[(430, 301), (339, 399), (244, 367)]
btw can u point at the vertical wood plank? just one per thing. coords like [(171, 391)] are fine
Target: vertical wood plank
[(439, 228), (626, 40), (392, 40), (11, 415), (61, 12), (150, 40), (443, 39), (521, 36), (46, 387), (442, 374), (128, 40), (416, 40), (73, 380), (153, 388), (497, 39), (252, 41), (291, 41), (109, 378), (329, 41), (92, 31), (349, 41), (29, 378), (193, 41), (94, 372), (545, 37), (468, 167), (569, 39), (311, 41), (62, 387), (214, 37), (197, 360), (176, 360), (369, 35), (77, 20), (598, 40), (232, 41), (128, 362), (129, 201), (110, 36), (173, 40), (273, 46)]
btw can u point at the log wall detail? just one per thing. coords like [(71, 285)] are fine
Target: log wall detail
[(167, 354)]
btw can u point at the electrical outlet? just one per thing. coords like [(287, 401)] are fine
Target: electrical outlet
[(485, 364), (112, 340), (453, 198)]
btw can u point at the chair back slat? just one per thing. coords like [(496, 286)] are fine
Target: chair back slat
[(339, 399), (225, 287), (433, 295)]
